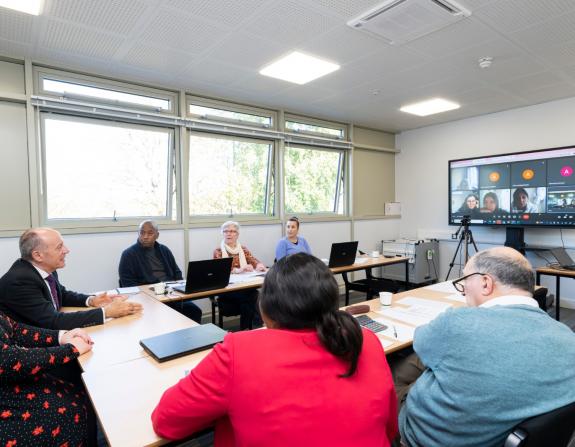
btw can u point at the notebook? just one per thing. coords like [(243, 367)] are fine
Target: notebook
[(186, 341), (209, 274), (563, 258), (342, 254)]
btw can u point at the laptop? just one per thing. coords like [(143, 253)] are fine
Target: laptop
[(209, 274), (186, 341), (563, 258), (342, 254)]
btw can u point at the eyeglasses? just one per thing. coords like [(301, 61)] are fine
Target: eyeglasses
[(229, 231), (459, 283)]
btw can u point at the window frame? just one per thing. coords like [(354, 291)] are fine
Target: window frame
[(230, 107), (173, 178), (342, 183), (269, 192), (43, 73), (315, 122)]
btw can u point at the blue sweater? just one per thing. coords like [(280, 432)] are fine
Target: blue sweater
[(487, 370), (286, 248)]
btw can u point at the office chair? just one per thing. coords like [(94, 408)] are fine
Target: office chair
[(540, 295), (371, 285), (221, 312), (554, 428)]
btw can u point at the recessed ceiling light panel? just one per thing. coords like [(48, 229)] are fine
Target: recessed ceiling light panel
[(430, 107), (33, 7), (299, 68)]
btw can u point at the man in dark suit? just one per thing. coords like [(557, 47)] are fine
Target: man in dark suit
[(31, 293), (149, 262)]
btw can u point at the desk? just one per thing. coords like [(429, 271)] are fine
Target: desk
[(257, 281), (118, 340), (558, 274), (134, 387)]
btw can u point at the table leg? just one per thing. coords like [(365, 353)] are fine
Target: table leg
[(557, 295), (406, 273)]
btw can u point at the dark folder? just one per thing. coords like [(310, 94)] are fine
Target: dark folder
[(342, 254), (186, 341)]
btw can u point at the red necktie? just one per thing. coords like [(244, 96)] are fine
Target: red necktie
[(53, 291)]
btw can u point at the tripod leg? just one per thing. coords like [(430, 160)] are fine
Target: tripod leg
[(452, 263)]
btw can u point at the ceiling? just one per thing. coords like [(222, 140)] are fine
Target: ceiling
[(216, 48)]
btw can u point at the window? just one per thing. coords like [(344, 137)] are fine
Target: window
[(314, 180), (230, 175), (230, 113), (98, 169), (308, 126), (83, 88)]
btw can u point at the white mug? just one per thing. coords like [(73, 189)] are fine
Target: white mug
[(385, 298), (375, 254), (160, 288)]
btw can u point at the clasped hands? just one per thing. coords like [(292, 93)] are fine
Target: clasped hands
[(249, 268)]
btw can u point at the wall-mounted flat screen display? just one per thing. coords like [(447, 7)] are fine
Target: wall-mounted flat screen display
[(535, 188)]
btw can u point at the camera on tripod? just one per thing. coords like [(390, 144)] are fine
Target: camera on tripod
[(465, 221), (465, 240)]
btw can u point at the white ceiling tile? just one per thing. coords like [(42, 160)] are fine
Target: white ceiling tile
[(118, 16), (156, 58), (511, 15), (345, 8), (15, 49), (16, 26), (182, 33), (213, 72), (559, 90), (548, 33), (560, 54), (289, 22), (532, 82), (80, 40), (228, 12)]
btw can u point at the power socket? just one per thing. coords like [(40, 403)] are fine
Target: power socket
[(429, 254)]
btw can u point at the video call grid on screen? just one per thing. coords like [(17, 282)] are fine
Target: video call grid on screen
[(524, 188)]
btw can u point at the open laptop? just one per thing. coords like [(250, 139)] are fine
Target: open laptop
[(342, 254), (185, 341), (563, 258), (209, 274)]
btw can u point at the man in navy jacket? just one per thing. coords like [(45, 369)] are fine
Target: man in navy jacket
[(149, 262)]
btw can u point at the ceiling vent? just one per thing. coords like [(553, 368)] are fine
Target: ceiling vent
[(401, 21)]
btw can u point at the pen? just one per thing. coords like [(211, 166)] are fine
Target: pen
[(394, 331)]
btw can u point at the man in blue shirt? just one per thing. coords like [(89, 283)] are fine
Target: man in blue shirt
[(485, 368), (149, 262)]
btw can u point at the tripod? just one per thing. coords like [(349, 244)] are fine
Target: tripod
[(465, 238)]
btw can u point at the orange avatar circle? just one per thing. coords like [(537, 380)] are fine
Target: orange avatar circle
[(528, 174), (494, 176)]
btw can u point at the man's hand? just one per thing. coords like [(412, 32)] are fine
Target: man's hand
[(79, 338), (119, 307), (103, 299)]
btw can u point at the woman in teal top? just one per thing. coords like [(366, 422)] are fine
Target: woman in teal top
[(292, 243)]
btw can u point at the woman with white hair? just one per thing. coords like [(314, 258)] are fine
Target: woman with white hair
[(242, 302)]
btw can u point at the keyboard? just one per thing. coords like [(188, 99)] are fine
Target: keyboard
[(370, 324)]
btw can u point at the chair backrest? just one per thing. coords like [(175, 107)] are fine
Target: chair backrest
[(554, 428), (540, 295)]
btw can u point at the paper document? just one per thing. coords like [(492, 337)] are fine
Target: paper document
[(445, 286), (415, 315), (404, 333), (412, 301), (237, 278), (127, 290), (385, 342), (360, 260)]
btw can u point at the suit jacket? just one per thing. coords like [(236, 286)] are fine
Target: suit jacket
[(282, 388), (25, 297), (135, 270)]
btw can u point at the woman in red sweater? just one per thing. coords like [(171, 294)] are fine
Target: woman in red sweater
[(314, 377)]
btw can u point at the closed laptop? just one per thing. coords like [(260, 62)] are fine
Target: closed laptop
[(185, 341), (342, 254), (209, 274)]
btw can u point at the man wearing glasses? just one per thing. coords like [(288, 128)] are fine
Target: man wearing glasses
[(485, 368)]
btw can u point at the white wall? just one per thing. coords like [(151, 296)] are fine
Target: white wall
[(422, 177), (93, 260)]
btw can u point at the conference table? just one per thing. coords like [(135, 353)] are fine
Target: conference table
[(256, 281), (124, 383)]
